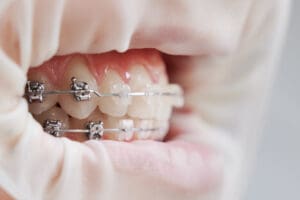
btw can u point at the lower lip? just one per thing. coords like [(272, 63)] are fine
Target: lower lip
[(182, 165)]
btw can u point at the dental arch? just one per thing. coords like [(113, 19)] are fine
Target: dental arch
[(93, 129), (35, 92)]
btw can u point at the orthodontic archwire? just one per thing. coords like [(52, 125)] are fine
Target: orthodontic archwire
[(93, 129), (35, 92)]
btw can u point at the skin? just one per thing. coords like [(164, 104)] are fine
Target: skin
[(221, 52)]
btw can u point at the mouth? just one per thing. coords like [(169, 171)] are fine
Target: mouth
[(136, 70), (154, 137), (136, 74)]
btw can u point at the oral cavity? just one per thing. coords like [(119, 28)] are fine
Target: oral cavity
[(132, 71)]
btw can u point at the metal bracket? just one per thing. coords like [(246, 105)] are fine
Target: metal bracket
[(81, 90), (95, 130), (53, 127), (35, 91)]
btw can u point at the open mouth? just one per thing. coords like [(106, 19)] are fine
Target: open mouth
[(133, 97), (136, 119)]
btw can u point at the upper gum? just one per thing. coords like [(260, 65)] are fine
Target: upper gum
[(150, 59)]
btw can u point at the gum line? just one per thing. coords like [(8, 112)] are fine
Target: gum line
[(98, 64)]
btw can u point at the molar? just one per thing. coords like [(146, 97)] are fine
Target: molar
[(77, 67), (49, 100), (54, 113)]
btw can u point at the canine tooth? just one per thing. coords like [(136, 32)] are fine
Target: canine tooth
[(77, 67), (143, 124), (55, 113), (114, 106), (48, 101), (142, 106)]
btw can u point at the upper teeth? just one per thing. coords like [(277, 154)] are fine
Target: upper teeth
[(81, 92)]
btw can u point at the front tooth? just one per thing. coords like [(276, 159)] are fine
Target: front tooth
[(126, 125), (142, 106), (49, 100), (55, 113), (113, 83), (165, 103), (143, 124), (123, 124), (162, 127), (77, 67)]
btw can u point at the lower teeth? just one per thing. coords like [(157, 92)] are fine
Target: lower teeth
[(98, 126)]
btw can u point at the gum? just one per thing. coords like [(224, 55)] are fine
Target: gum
[(151, 59)]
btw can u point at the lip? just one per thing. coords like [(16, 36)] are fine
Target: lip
[(184, 165)]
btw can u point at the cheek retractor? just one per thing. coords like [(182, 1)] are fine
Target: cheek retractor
[(35, 93)]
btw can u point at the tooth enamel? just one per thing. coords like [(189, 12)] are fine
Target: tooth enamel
[(55, 113), (119, 123), (48, 101), (81, 123), (163, 127), (178, 100), (127, 130), (143, 124), (114, 106), (77, 67), (141, 106), (96, 115)]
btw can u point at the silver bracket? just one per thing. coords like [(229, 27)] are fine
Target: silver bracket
[(95, 130), (81, 90), (53, 127), (35, 91)]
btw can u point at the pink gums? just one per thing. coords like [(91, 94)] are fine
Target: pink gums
[(150, 59)]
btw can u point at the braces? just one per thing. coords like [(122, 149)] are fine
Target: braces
[(35, 92), (94, 129)]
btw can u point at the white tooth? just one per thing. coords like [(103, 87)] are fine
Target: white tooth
[(142, 106), (177, 100), (55, 113), (119, 123), (127, 126), (81, 124), (143, 124), (165, 103), (77, 67), (96, 115), (114, 106), (48, 101), (162, 129)]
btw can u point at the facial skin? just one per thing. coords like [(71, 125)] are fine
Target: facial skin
[(221, 52)]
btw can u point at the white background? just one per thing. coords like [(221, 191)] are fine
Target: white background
[(276, 175)]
